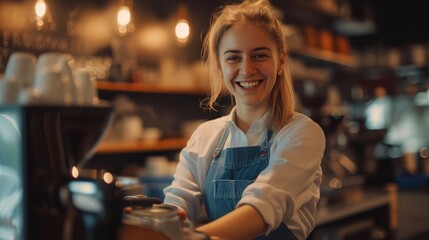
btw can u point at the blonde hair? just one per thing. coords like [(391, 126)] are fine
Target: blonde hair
[(261, 13)]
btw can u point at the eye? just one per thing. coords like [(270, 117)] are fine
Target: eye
[(260, 56), (232, 59)]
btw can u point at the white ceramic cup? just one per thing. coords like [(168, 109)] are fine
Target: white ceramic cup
[(29, 96), (131, 128), (151, 134), (88, 88), (21, 66), (53, 87), (56, 61), (9, 91)]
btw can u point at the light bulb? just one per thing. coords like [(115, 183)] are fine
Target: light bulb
[(40, 8), (75, 172), (182, 31), (108, 177), (124, 16)]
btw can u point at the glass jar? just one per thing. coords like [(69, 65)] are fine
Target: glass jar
[(160, 217)]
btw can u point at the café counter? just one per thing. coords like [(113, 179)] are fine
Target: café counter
[(366, 214)]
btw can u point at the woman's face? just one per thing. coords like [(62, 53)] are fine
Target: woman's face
[(249, 62)]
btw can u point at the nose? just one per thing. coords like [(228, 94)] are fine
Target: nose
[(248, 67)]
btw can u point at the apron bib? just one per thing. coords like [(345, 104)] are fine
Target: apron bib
[(231, 171)]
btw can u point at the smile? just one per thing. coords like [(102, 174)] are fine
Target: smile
[(251, 84)]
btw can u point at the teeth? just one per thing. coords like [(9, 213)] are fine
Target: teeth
[(249, 84)]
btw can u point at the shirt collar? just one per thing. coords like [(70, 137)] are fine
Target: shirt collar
[(258, 125), (231, 119)]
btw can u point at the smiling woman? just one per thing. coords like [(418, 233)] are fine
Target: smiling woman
[(249, 68), (262, 161)]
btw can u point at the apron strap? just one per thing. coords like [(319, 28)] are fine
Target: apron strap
[(221, 143), (268, 137)]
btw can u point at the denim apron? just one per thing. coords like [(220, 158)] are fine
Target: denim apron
[(230, 172)]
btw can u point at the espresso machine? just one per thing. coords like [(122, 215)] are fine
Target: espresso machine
[(42, 194)]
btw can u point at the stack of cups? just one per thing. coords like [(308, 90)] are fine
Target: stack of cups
[(88, 87), (49, 80), (19, 74)]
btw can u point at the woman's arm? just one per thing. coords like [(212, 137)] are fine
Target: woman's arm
[(244, 222), (186, 189), (287, 191)]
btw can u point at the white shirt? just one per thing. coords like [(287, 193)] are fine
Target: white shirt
[(286, 191)]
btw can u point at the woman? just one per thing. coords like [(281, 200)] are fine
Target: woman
[(257, 170)]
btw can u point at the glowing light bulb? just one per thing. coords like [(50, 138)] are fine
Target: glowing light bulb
[(42, 17), (75, 172), (40, 8), (124, 16), (108, 177), (182, 29)]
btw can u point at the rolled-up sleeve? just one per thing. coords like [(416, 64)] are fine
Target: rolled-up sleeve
[(287, 191), (186, 190)]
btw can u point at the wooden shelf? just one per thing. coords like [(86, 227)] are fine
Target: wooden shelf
[(169, 144), (149, 88), (326, 56)]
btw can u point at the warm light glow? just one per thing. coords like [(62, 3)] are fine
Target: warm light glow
[(40, 23), (108, 177), (94, 31), (124, 20), (154, 38), (124, 16), (40, 8), (75, 172), (182, 29)]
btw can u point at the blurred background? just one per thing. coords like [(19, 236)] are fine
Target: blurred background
[(360, 68)]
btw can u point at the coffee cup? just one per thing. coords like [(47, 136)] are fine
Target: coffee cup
[(160, 217), (56, 61), (21, 66), (29, 96), (87, 86), (132, 128), (9, 91), (53, 87)]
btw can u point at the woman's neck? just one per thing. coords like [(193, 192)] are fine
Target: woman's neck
[(245, 117)]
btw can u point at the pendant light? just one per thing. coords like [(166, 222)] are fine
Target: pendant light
[(182, 29), (124, 17), (43, 19)]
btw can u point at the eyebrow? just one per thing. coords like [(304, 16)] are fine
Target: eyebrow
[(256, 49)]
